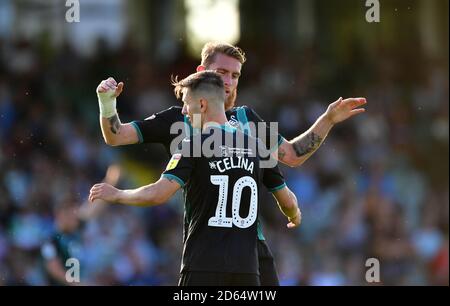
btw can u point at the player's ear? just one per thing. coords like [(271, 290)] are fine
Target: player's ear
[(201, 68), (203, 105)]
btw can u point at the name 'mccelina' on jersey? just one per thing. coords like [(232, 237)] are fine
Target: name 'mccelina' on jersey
[(221, 201), (169, 127)]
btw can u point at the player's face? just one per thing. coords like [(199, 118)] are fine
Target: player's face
[(230, 70), (191, 107)]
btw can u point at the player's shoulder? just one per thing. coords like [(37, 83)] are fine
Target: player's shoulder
[(247, 109), (241, 113), (240, 108), (173, 112), (175, 108)]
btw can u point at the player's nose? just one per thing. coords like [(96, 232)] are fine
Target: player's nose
[(226, 80)]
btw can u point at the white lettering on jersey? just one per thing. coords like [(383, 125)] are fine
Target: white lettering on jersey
[(229, 163)]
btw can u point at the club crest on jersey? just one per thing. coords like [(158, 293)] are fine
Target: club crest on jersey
[(173, 162), (233, 122)]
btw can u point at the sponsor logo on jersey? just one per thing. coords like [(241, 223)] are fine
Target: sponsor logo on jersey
[(227, 151), (173, 162)]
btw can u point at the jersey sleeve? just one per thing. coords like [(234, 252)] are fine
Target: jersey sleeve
[(273, 179), (156, 128), (180, 166), (272, 139)]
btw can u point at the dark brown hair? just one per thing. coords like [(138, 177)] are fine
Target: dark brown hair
[(197, 80)]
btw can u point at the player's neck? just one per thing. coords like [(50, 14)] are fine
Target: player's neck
[(214, 119)]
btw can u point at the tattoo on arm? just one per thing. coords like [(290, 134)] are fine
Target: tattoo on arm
[(306, 144), (115, 124), (281, 154)]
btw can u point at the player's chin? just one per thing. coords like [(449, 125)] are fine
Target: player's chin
[(230, 102)]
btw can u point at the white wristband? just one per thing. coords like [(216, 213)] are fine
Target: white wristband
[(107, 104)]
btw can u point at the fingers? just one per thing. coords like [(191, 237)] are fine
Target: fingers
[(111, 81), (119, 89), (293, 224), (104, 87), (101, 88), (357, 111), (94, 195), (355, 102), (109, 84), (296, 221), (96, 186), (95, 192)]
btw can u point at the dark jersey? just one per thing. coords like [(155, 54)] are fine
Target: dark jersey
[(170, 127), (221, 203), (61, 246)]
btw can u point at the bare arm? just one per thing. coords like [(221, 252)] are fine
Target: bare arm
[(86, 211), (114, 132), (149, 195), (295, 152), (287, 202)]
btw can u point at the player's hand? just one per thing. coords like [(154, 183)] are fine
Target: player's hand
[(104, 192), (109, 88), (343, 109), (295, 222), (107, 92)]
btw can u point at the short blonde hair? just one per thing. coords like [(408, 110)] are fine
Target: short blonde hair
[(211, 49)]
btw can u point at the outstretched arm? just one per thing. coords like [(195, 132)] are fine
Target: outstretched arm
[(86, 211), (287, 202), (114, 132), (149, 195), (295, 152)]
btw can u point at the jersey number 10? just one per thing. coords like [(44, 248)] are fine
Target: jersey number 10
[(220, 219)]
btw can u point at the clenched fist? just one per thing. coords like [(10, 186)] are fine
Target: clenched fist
[(110, 88), (104, 192), (107, 92)]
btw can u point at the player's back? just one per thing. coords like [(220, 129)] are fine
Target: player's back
[(221, 202)]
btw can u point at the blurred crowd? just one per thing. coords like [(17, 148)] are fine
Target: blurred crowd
[(377, 188)]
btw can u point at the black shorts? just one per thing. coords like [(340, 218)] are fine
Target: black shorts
[(218, 279), (267, 271)]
